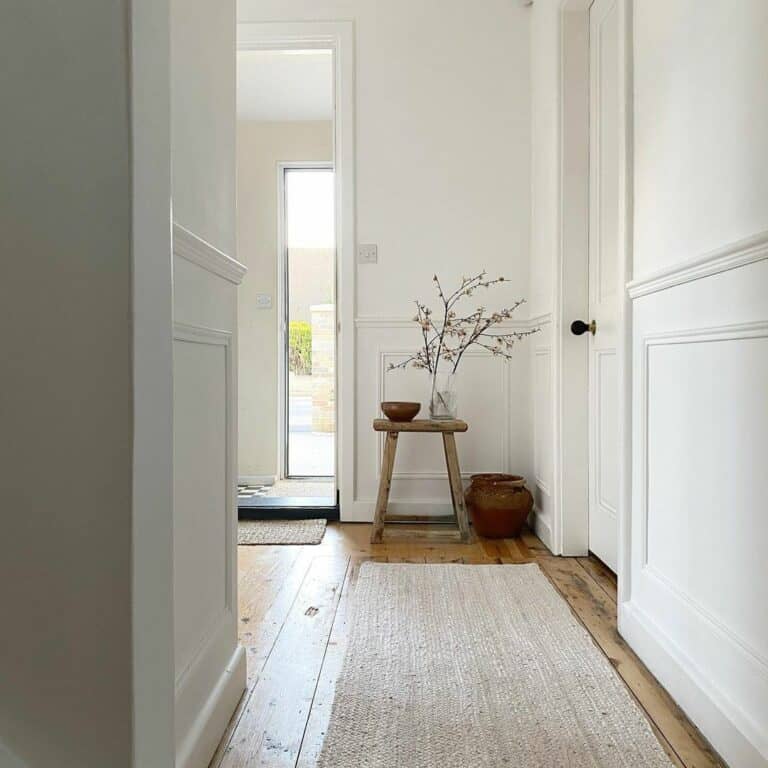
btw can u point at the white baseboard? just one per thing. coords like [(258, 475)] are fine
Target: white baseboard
[(542, 529), (711, 712), (203, 738), (256, 480)]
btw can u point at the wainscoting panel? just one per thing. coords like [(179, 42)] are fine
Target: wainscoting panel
[(200, 515), (493, 398), (700, 447), (210, 665)]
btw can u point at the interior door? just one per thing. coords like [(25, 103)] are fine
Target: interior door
[(604, 275)]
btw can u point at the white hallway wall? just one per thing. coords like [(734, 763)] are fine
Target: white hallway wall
[(696, 609), (442, 179)]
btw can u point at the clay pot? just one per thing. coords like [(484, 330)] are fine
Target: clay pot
[(399, 410), (499, 504)]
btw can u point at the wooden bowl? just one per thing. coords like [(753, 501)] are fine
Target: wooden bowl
[(400, 411)]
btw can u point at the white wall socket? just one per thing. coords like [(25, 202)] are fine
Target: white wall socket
[(367, 254), (263, 301)]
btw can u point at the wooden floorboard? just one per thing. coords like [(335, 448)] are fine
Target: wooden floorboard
[(293, 606)]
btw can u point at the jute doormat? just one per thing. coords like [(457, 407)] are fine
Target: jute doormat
[(280, 531), (450, 666)]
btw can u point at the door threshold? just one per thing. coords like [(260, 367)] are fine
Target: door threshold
[(288, 508)]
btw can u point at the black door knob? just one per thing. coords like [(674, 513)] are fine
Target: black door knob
[(579, 326)]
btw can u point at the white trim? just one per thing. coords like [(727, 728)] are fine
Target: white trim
[(542, 529), (203, 737), (731, 256), (542, 350), (339, 37), (193, 248), (392, 321), (545, 318), (256, 480)]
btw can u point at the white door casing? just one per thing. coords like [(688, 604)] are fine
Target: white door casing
[(604, 279)]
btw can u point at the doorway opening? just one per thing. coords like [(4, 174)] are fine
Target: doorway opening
[(287, 309), (592, 363)]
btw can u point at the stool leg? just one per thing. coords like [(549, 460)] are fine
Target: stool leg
[(457, 488), (385, 483)]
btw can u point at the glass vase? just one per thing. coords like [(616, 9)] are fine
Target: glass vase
[(442, 398)]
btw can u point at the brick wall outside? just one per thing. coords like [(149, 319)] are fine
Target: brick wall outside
[(323, 373)]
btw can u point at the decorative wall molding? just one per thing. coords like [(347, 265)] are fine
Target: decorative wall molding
[(381, 321), (189, 246), (545, 318), (541, 483), (735, 332), (196, 334), (689, 336), (732, 256)]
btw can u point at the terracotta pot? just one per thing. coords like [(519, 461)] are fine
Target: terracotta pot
[(499, 504)]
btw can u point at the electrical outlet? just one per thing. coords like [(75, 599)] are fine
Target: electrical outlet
[(367, 254), (263, 301)]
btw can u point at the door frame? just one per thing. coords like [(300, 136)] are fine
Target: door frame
[(570, 361), (338, 36), (282, 316)]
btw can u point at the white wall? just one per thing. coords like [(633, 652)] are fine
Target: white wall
[(442, 184), (696, 612), (209, 664), (203, 119), (260, 147), (66, 394)]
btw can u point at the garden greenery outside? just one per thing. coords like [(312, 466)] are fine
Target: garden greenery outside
[(300, 347)]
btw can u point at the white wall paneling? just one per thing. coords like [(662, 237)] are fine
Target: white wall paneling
[(701, 373), (694, 611), (209, 664)]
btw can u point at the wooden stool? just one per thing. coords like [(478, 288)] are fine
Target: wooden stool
[(447, 430)]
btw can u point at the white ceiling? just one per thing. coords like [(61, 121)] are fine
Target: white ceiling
[(284, 85)]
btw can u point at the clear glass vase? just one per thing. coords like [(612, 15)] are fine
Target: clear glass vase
[(442, 398)]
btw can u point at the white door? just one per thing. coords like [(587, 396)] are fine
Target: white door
[(604, 273)]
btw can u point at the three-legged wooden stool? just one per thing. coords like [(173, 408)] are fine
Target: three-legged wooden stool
[(459, 518)]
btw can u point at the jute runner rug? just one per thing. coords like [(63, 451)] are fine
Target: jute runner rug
[(280, 531), (457, 666)]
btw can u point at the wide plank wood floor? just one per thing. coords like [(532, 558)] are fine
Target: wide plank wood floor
[(293, 626)]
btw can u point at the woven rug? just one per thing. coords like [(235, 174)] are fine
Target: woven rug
[(280, 531), (451, 666)]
